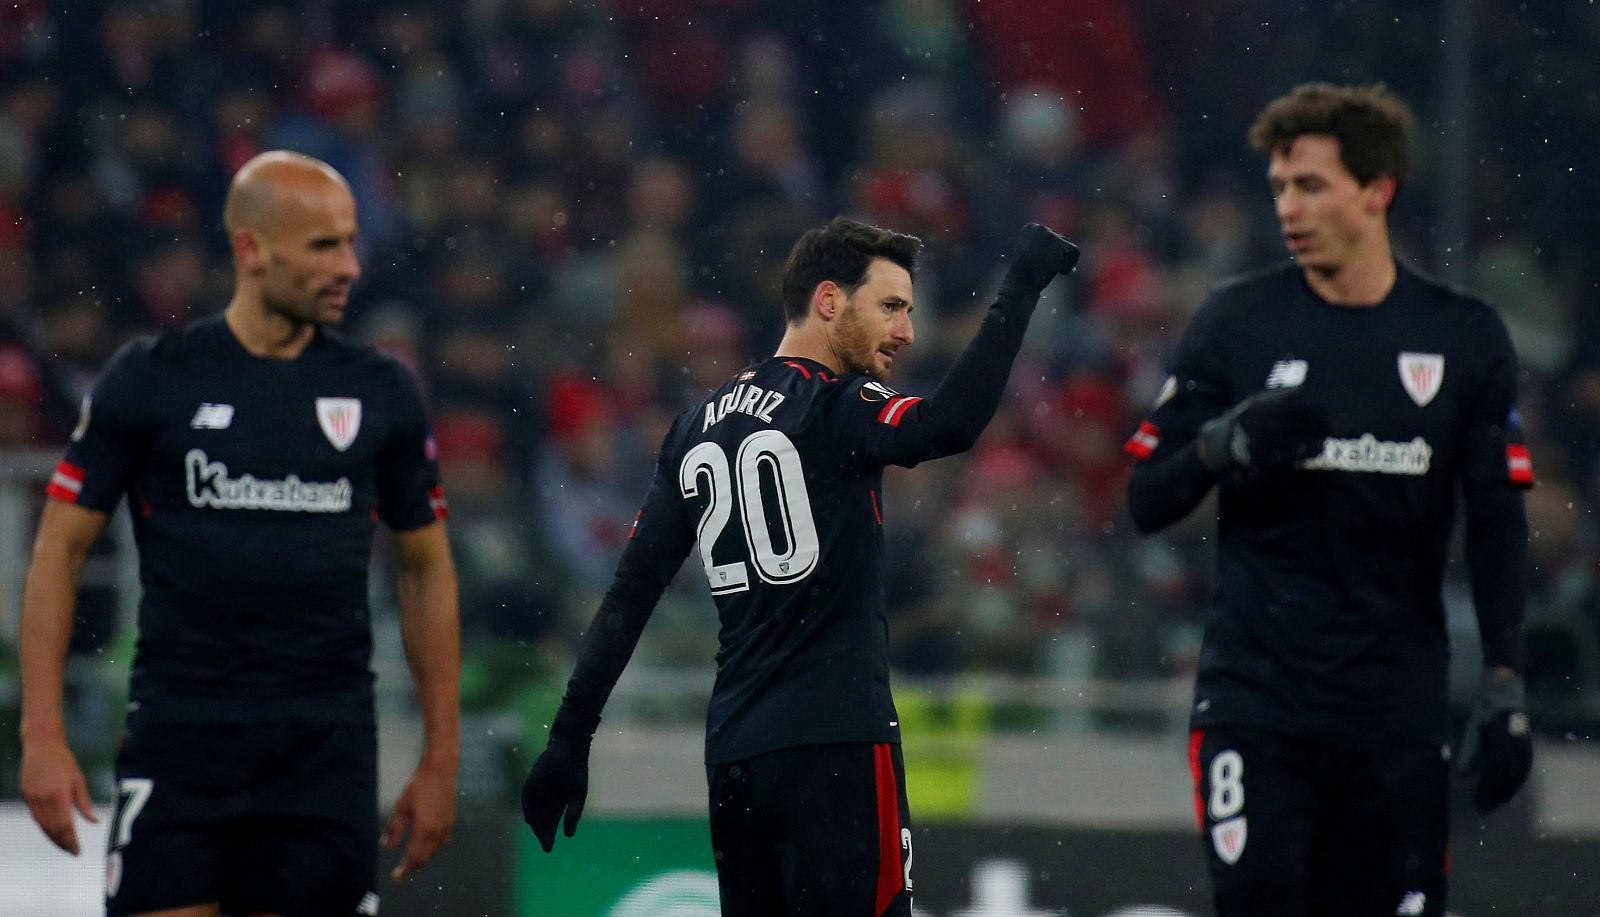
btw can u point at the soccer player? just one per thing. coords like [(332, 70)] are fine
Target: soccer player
[(257, 449), (776, 477), (1341, 403)]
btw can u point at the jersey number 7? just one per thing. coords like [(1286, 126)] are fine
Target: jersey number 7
[(765, 452)]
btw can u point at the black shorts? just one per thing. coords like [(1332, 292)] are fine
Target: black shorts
[(276, 818), (1302, 828), (818, 829)]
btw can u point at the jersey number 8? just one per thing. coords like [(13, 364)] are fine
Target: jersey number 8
[(765, 452), (1227, 785)]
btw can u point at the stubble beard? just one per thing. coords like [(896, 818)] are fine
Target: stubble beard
[(299, 315), (855, 347), (299, 312)]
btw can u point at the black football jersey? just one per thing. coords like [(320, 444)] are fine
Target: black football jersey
[(1327, 619), (777, 476), (254, 486)]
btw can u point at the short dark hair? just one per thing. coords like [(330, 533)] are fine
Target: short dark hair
[(1370, 122), (841, 252)]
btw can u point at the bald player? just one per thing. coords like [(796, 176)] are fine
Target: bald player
[(258, 450)]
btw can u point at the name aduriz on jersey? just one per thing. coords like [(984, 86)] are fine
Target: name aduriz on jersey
[(744, 399)]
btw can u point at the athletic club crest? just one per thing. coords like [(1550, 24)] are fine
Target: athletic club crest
[(340, 419), (1421, 374), (1228, 839)]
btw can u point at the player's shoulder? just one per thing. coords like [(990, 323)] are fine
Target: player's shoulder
[(1427, 291), (1243, 301), (793, 377), (335, 345), (821, 389), (862, 387), (171, 345), (210, 338), (860, 398), (1471, 322), (139, 354), (166, 349), (779, 392), (1264, 288), (798, 374), (369, 369)]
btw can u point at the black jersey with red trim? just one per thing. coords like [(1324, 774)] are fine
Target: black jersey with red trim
[(776, 477), (254, 487), (1327, 619)]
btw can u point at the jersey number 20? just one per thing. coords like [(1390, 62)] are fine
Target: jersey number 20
[(767, 452)]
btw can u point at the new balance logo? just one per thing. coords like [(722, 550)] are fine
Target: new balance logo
[(1413, 903), (1287, 374), (212, 417), (368, 906)]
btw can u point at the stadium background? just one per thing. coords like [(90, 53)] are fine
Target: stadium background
[(573, 217)]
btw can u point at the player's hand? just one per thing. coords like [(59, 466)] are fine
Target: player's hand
[(1041, 255), (558, 782), (427, 808), (53, 785), (1266, 430), (1498, 744)]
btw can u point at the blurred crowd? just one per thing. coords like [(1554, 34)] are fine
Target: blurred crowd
[(574, 216)]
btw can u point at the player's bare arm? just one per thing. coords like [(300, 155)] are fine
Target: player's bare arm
[(430, 625), (52, 782)]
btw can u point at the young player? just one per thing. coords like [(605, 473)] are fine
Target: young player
[(1341, 403)]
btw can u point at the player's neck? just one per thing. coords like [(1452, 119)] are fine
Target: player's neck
[(263, 332), (1365, 279), (805, 342)]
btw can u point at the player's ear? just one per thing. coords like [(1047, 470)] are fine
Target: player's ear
[(827, 299), (1380, 194), (247, 250)]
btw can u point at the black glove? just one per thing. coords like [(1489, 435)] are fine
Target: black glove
[(1268, 429), (557, 782), (1041, 254), (1497, 745)]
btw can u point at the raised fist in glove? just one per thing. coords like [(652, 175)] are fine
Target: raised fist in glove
[(558, 782), (1497, 745), (1041, 254), (1268, 429)]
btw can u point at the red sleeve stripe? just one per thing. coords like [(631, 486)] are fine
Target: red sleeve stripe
[(437, 502), (894, 410), (1144, 441), (1519, 464), (66, 483)]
